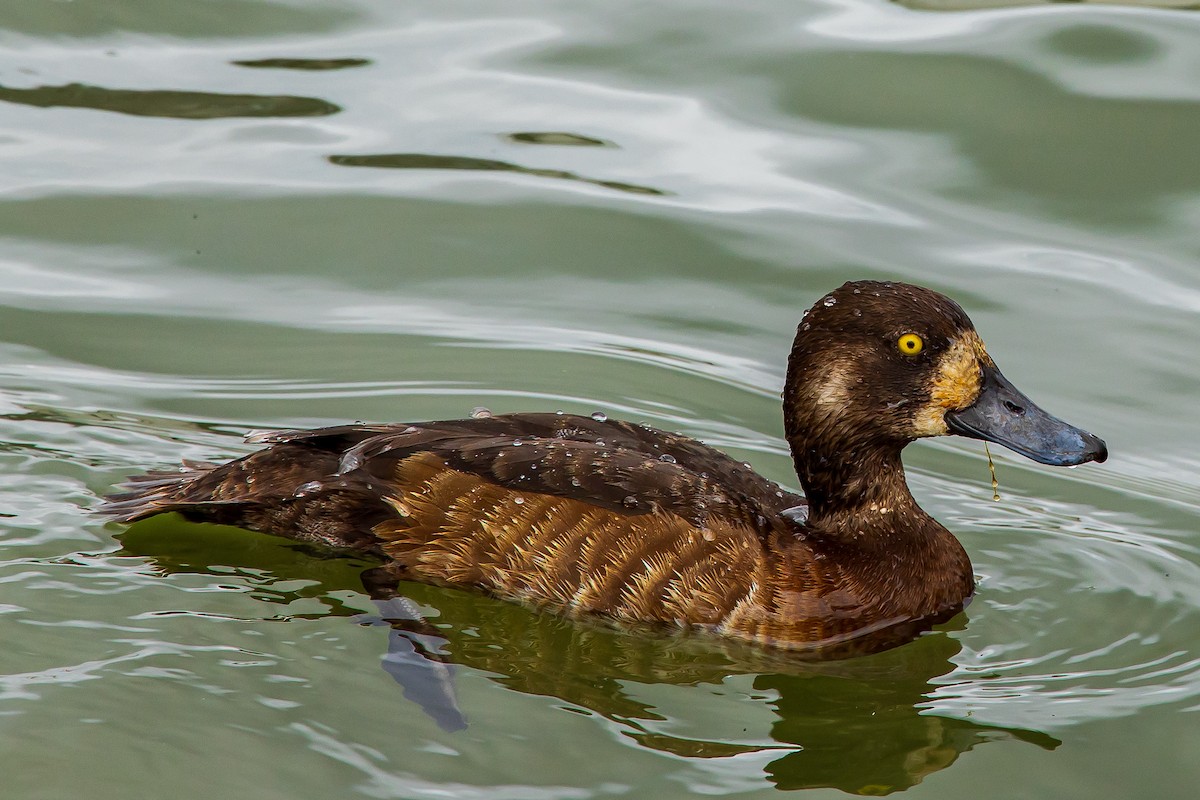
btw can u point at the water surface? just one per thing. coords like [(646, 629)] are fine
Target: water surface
[(234, 215)]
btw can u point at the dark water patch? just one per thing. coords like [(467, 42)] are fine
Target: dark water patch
[(557, 138), (304, 64), (168, 103), (1103, 44), (426, 161)]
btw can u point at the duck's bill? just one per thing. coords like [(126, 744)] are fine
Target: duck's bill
[(1003, 415)]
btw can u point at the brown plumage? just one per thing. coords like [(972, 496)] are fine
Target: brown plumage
[(605, 517)]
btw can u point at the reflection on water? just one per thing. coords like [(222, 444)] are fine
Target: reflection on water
[(172, 18), (854, 725), (426, 161), (857, 725), (168, 103), (1025, 135), (557, 138), (304, 64), (166, 285)]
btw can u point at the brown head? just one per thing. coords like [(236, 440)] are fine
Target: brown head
[(876, 365)]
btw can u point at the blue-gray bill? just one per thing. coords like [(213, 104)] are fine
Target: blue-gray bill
[(1002, 414)]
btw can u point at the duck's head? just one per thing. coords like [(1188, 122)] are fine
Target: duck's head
[(876, 365)]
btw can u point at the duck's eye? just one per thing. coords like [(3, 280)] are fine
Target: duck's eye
[(910, 344)]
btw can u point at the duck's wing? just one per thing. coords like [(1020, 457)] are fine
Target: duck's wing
[(616, 465)]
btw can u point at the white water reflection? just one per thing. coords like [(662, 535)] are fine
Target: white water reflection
[(424, 92)]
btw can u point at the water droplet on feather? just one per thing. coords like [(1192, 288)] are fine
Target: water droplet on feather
[(599, 416), (307, 488)]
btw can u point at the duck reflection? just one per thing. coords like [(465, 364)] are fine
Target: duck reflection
[(856, 724)]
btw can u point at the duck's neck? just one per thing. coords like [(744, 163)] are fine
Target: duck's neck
[(859, 503), (848, 479)]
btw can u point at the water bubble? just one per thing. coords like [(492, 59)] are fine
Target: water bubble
[(667, 458), (857, 290), (558, 413), (708, 535), (307, 488), (829, 301), (599, 416), (857, 311), (479, 412), (805, 326), (517, 443), (575, 482), (630, 500), (519, 500)]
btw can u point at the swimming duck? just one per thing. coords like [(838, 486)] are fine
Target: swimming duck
[(592, 516)]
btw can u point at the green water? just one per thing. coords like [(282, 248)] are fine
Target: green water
[(223, 215)]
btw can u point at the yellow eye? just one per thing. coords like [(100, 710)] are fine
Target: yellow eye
[(910, 344)]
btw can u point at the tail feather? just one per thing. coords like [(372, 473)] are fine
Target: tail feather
[(154, 492), (287, 490)]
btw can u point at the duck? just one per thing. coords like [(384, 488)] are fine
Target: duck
[(601, 518)]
